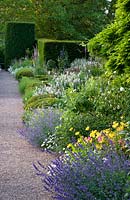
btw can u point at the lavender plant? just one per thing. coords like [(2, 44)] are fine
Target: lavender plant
[(40, 124), (96, 176)]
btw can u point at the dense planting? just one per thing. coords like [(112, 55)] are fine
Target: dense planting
[(82, 112), (97, 175)]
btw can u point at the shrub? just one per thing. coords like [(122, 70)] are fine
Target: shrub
[(23, 62), (40, 101), (51, 64), (28, 94), (118, 135), (100, 102), (16, 65), (39, 124), (26, 83), (28, 72), (96, 175), (19, 37), (40, 71), (113, 42), (64, 135)]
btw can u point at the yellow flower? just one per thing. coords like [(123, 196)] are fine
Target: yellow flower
[(89, 139), (71, 129), (98, 134), (93, 133), (120, 128), (98, 146), (106, 131), (111, 135), (69, 145), (79, 140), (123, 124), (87, 128), (115, 125), (77, 133)]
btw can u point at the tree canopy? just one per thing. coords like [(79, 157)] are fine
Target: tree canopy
[(113, 43), (64, 19)]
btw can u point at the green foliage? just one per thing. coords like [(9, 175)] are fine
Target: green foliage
[(65, 19), (56, 50), (51, 64), (24, 72), (68, 19), (13, 10), (28, 94), (78, 103), (100, 102), (19, 37), (113, 42), (20, 63), (2, 56), (40, 101), (27, 83), (39, 71), (43, 77)]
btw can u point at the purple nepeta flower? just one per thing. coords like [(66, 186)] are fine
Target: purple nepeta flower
[(41, 123), (96, 176)]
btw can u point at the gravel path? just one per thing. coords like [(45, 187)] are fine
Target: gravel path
[(17, 176)]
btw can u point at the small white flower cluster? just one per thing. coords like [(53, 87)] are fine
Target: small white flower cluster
[(60, 83), (70, 78), (83, 63), (14, 71), (49, 142), (20, 64)]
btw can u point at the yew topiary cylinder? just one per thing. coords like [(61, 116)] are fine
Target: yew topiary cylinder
[(19, 37)]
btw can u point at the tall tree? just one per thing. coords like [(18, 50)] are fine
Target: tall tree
[(13, 10), (59, 19), (70, 19), (113, 43)]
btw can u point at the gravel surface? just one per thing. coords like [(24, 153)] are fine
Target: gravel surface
[(18, 180)]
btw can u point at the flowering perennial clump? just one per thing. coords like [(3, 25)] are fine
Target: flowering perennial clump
[(96, 175), (73, 77), (60, 83), (41, 124), (115, 135)]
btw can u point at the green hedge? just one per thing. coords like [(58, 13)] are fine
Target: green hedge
[(19, 37), (2, 56), (52, 49)]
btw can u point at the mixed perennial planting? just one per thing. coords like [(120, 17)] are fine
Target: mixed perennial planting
[(89, 175), (82, 112)]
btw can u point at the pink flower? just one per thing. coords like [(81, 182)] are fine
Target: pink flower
[(100, 139)]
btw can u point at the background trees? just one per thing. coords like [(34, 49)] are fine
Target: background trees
[(64, 19), (67, 19), (13, 10)]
